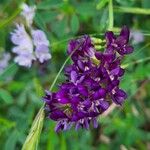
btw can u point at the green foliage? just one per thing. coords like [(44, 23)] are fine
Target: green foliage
[(9, 72), (74, 23), (6, 96), (21, 89)]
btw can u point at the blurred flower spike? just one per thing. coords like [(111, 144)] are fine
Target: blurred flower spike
[(137, 37), (92, 82), (4, 60), (32, 45)]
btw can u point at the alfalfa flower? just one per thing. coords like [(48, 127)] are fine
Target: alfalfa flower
[(92, 82), (4, 60), (23, 46), (30, 44), (137, 37), (28, 12), (120, 43), (41, 45)]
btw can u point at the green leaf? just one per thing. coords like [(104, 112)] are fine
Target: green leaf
[(38, 87), (47, 4), (31, 142), (5, 125), (104, 17), (52, 141), (63, 143), (6, 96), (59, 28), (101, 4), (145, 3), (9, 71), (74, 23), (39, 21), (11, 141), (86, 8)]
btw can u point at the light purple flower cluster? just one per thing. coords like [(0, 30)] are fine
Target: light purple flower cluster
[(92, 82), (30, 45)]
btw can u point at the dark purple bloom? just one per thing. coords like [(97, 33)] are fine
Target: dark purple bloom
[(120, 43), (92, 82)]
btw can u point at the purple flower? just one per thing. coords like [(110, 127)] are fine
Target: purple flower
[(120, 43), (92, 82)]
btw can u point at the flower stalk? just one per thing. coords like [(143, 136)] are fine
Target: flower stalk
[(132, 10), (31, 141)]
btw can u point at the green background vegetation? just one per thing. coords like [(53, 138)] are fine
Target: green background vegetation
[(126, 127)]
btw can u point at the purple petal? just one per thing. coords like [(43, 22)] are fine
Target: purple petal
[(109, 37), (95, 122), (119, 96), (125, 32), (73, 77), (101, 93), (57, 114), (104, 105)]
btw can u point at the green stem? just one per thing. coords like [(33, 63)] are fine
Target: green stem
[(111, 16), (35, 131), (135, 62), (132, 10), (10, 19)]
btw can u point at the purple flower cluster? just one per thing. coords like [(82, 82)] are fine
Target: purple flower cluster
[(92, 82)]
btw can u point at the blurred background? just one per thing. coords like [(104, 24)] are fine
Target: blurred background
[(123, 128)]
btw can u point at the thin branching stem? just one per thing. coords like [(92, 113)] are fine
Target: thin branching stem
[(132, 10), (4, 23)]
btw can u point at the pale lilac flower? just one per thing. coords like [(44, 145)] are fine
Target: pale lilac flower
[(4, 60), (42, 53), (28, 13), (25, 59), (21, 38), (24, 46), (39, 38), (41, 45), (137, 37), (29, 47)]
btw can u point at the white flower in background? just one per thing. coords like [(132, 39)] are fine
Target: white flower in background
[(137, 37), (22, 39), (41, 45), (4, 60), (29, 47), (24, 46), (42, 53), (39, 38), (25, 59), (28, 12)]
